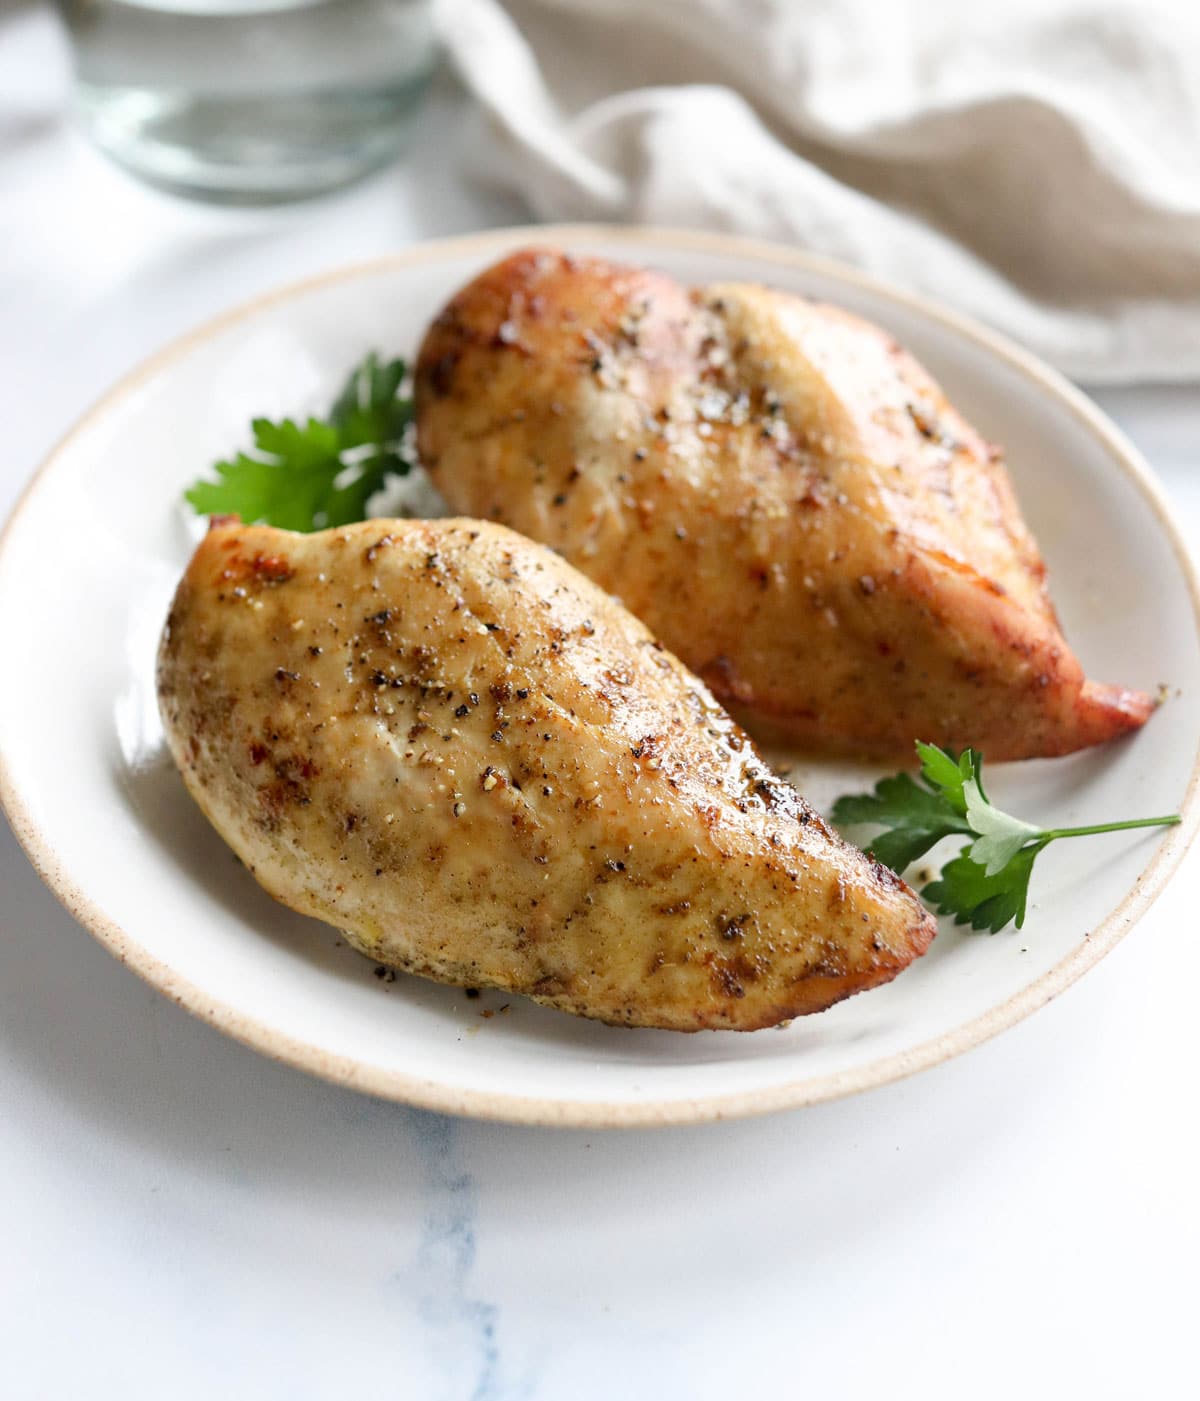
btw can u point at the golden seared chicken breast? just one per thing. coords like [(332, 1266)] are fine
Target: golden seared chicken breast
[(442, 739), (776, 488)]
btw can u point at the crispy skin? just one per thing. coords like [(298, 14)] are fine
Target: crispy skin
[(777, 489), (442, 739)]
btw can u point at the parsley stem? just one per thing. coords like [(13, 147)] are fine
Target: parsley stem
[(1055, 832)]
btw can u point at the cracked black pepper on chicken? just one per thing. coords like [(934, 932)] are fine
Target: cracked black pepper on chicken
[(442, 739), (779, 490)]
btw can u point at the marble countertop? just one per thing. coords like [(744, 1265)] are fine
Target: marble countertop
[(183, 1218)]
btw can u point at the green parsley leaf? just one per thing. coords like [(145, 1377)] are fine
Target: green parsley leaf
[(320, 473), (987, 884), (369, 412), (916, 817), (1000, 835), (982, 899), (948, 775)]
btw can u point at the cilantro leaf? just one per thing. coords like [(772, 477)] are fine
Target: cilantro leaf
[(983, 899), (322, 472)]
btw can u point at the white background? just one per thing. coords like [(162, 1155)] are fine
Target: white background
[(181, 1218)]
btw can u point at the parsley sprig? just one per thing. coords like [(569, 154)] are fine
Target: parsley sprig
[(306, 476), (987, 884)]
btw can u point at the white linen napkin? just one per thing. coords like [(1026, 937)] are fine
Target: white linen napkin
[(1036, 163)]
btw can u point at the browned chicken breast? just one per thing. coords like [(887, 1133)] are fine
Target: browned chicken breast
[(776, 488), (442, 739)]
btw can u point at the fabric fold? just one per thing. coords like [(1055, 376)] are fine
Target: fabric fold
[(1037, 167)]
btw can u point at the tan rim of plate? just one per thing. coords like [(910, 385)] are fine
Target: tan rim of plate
[(522, 1109)]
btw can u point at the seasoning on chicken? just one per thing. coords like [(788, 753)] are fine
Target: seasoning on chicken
[(442, 739), (777, 489)]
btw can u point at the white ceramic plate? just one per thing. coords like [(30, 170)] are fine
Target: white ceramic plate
[(90, 558)]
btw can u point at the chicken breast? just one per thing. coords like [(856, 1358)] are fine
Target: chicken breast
[(777, 489), (442, 739)]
